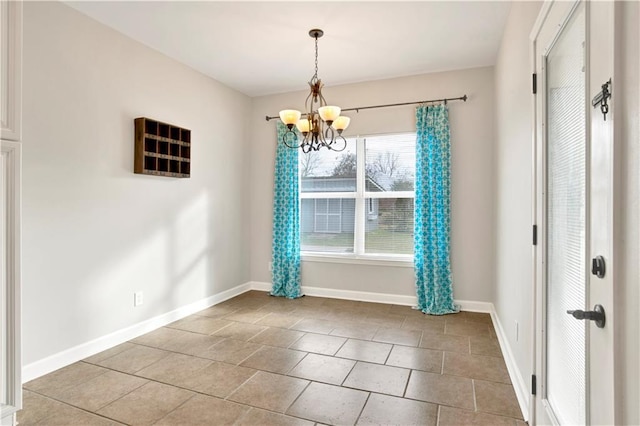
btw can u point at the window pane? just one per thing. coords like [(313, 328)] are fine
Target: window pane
[(334, 206), (329, 171), (389, 226), (327, 225), (333, 223), (321, 205), (321, 224), (390, 162)]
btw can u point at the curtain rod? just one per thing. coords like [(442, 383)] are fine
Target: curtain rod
[(445, 100)]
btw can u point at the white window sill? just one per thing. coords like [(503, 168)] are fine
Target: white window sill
[(399, 261)]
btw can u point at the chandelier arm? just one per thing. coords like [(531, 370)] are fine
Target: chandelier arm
[(284, 139), (322, 138), (308, 138), (329, 134), (337, 140), (314, 141), (323, 101), (308, 104)]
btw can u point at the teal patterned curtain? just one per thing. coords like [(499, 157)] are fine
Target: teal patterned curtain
[(285, 255), (432, 211)]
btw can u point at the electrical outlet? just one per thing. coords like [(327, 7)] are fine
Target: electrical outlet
[(138, 298), (517, 331), (270, 266)]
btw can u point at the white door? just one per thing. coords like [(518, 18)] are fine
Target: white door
[(574, 363)]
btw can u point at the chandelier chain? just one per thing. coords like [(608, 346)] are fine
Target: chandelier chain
[(315, 76)]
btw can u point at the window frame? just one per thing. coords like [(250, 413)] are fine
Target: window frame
[(360, 195)]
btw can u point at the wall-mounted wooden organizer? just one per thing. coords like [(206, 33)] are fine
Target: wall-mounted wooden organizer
[(162, 149)]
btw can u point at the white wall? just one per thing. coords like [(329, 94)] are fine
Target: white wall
[(94, 232), (472, 179), (513, 194), (627, 296)]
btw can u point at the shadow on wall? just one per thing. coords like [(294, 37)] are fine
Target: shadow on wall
[(172, 264)]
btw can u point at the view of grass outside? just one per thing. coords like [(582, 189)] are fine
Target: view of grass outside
[(383, 241), (320, 241), (378, 241), (393, 232)]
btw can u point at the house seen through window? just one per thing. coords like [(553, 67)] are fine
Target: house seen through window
[(359, 201)]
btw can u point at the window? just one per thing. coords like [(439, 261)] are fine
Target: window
[(359, 202), (328, 215)]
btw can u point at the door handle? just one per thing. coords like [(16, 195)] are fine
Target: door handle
[(596, 315)]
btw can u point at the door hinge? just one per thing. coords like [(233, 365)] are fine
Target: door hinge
[(534, 386), (535, 235), (534, 83)]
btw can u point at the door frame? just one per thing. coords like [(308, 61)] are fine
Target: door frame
[(558, 13), (10, 195), (553, 18), (11, 67)]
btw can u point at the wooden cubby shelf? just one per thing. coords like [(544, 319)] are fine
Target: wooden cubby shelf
[(161, 149)]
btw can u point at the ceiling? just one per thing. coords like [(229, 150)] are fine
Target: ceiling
[(263, 47)]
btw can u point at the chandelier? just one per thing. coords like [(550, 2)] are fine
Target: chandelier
[(322, 124)]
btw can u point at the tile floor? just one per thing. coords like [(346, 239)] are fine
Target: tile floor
[(261, 360)]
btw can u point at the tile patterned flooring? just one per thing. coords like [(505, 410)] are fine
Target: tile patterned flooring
[(261, 360)]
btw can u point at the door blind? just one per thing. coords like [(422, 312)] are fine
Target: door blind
[(566, 221)]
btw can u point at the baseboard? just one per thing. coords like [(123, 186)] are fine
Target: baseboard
[(365, 296), (473, 306), (361, 296), (259, 285), (8, 420), (518, 381), (331, 293), (84, 350)]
